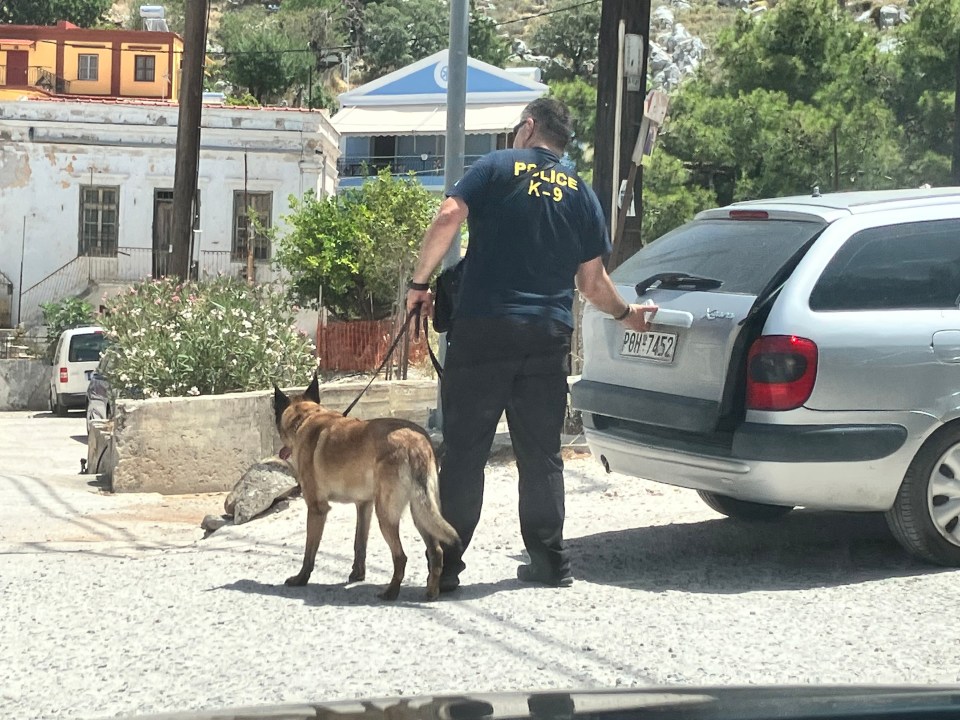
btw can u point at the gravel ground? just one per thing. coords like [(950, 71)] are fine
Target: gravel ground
[(113, 605)]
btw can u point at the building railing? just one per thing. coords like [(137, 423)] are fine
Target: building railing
[(216, 263), (38, 77), (361, 166), (128, 265)]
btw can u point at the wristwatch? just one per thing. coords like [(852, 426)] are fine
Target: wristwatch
[(419, 287), (622, 315)]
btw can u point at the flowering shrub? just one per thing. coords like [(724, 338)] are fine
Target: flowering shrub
[(215, 337)]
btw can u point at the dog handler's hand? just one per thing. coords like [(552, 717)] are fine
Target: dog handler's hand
[(423, 298), (639, 317)]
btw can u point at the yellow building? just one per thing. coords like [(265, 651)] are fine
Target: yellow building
[(68, 60)]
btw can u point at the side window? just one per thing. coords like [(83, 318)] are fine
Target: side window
[(908, 266), (99, 215), (260, 203)]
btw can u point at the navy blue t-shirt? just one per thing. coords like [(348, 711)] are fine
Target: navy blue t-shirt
[(532, 223)]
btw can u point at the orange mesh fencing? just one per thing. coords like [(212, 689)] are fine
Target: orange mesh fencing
[(360, 345)]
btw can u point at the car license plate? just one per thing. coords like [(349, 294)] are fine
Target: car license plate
[(649, 345)]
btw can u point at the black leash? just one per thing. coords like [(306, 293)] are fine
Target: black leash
[(393, 346)]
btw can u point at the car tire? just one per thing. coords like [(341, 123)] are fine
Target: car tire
[(743, 509), (932, 481)]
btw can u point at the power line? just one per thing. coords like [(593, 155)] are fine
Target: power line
[(525, 18), (547, 12)]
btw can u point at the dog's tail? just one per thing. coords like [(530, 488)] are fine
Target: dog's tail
[(425, 500)]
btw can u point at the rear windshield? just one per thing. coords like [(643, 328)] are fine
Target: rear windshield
[(86, 348), (743, 254)]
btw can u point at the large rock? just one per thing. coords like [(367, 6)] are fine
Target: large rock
[(260, 487), (659, 58), (662, 19)]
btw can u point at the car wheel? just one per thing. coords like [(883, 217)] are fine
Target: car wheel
[(56, 406), (925, 517), (743, 509)]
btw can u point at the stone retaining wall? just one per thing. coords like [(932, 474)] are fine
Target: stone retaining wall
[(23, 385), (204, 444)]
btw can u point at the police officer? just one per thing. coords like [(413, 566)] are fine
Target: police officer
[(536, 231)]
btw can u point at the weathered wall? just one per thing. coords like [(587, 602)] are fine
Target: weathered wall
[(49, 150), (204, 444), (23, 384)]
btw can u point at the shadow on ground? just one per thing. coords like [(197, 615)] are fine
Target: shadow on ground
[(365, 593), (802, 550)]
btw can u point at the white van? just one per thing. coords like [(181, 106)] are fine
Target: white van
[(76, 357)]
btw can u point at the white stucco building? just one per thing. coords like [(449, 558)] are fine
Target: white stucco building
[(86, 189)]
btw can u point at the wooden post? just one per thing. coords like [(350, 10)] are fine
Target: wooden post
[(612, 159), (188, 136)]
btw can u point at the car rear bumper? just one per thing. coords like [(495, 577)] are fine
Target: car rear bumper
[(838, 467), (72, 400)]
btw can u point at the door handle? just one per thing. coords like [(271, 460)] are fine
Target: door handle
[(946, 346)]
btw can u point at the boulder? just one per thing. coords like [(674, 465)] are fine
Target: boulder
[(659, 58), (662, 19), (260, 487)]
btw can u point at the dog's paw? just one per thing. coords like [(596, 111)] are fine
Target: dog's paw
[(297, 580), (357, 575), (431, 595), (391, 593)]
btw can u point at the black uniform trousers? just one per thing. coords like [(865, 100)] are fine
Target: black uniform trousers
[(518, 365)]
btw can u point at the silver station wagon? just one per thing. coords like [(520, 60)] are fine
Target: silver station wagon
[(807, 353)]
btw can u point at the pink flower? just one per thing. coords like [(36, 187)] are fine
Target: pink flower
[(175, 298)]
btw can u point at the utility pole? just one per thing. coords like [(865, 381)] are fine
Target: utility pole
[(619, 116), (188, 136), (454, 145)]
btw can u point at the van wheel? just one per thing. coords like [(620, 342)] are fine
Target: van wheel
[(56, 407), (925, 517), (743, 509)]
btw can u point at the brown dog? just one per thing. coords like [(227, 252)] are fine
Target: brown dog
[(384, 463)]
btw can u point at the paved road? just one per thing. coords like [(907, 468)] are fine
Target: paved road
[(113, 605)]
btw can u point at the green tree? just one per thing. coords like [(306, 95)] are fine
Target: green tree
[(399, 32), (929, 54), (66, 313), (669, 199), (85, 13), (264, 53), (486, 43), (356, 246), (581, 98), (801, 49), (570, 40), (799, 98)]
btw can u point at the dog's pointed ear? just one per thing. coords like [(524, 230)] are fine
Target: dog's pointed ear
[(313, 390), (280, 403)]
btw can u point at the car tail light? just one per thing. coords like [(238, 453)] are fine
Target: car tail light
[(781, 370), (64, 376)]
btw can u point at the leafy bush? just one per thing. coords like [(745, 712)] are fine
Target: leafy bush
[(358, 245), (208, 338), (63, 314)]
